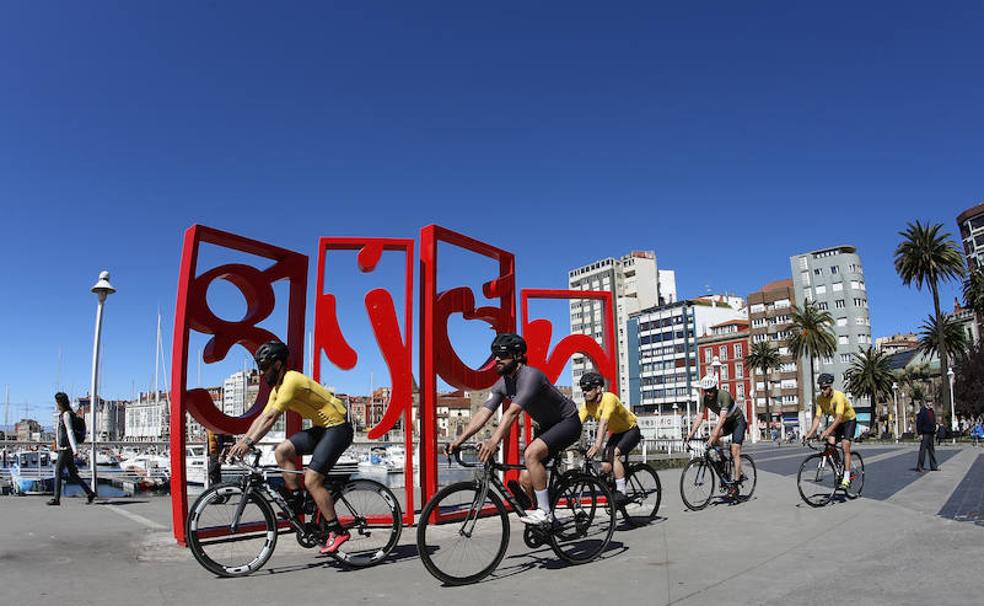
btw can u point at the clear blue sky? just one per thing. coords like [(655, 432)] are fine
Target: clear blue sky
[(724, 136)]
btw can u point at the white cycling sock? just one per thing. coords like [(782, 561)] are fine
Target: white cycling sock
[(543, 499), (620, 484)]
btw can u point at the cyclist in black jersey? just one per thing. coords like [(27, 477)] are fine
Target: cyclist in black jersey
[(555, 418), (731, 420)]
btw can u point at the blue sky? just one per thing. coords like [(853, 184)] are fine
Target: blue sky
[(726, 137)]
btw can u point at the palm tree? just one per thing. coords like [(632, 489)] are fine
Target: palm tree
[(973, 294), (913, 377), (955, 341), (870, 376), (925, 257), (811, 336), (765, 358)]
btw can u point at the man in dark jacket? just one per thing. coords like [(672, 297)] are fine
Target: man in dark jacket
[(926, 427)]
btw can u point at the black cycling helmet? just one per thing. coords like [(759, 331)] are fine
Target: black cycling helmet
[(270, 352), (825, 379), (591, 379), (508, 343)]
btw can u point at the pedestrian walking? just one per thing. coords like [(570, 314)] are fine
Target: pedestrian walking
[(216, 444), (68, 449), (926, 427)]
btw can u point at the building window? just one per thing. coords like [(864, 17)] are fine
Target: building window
[(821, 289), (740, 390), (838, 286), (855, 285), (823, 306), (841, 321), (804, 263), (845, 358), (839, 304), (739, 371), (708, 355), (842, 340), (723, 352), (833, 270), (818, 271), (738, 350), (724, 372), (805, 278)]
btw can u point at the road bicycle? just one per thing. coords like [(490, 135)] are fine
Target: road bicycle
[(820, 475), (232, 527), (714, 464), (643, 489), (464, 529)]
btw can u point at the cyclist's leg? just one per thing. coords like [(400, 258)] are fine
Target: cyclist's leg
[(552, 440), (301, 443), (845, 435), (737, 439), (332, 444)]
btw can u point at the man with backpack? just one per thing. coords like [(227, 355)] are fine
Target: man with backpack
[(70, 431)]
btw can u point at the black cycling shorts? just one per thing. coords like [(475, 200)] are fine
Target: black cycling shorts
[(325, 444), (560, 435), (845, 431), (625, 442), (736, 429)]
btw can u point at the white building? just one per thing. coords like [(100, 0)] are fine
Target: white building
[(834, 279), (146, 419), (635, 283), (662, 343)]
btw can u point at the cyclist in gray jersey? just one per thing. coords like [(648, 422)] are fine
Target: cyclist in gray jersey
[(557, 424)]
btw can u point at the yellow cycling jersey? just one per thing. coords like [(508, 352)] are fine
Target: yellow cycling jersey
[(837, 404), (307, 398), (609, 408)]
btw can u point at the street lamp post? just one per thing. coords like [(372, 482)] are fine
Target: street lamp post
[(895, 400), (953, 417), (102, 289), (676, 421)]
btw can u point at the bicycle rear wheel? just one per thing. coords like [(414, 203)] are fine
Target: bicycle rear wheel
[(697, 484), (210, 536), (817, 480), (583, 519), (644, 494), (857, 476), (470, 538), (372, 515)]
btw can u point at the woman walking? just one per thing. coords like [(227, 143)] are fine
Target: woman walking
[(68, 448)]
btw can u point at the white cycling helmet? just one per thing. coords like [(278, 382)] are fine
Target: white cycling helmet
[(708, 382)]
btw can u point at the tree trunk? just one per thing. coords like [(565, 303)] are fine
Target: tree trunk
[(768, 411), (813, 387), (941, 347)]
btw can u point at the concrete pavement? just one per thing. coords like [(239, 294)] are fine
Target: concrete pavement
[(896, 548)]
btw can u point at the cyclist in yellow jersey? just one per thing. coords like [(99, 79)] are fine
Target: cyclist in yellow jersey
[(615, 420), (835, 403), (326, 440)]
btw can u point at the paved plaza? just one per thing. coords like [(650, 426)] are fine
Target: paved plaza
[(912, 539)]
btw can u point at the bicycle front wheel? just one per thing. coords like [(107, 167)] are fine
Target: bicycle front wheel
[(583, 519), (212, 540), (817, 480), (697, 484), (644, 494), (857, 476), (748, 480), (372, 515), (461, 537)]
